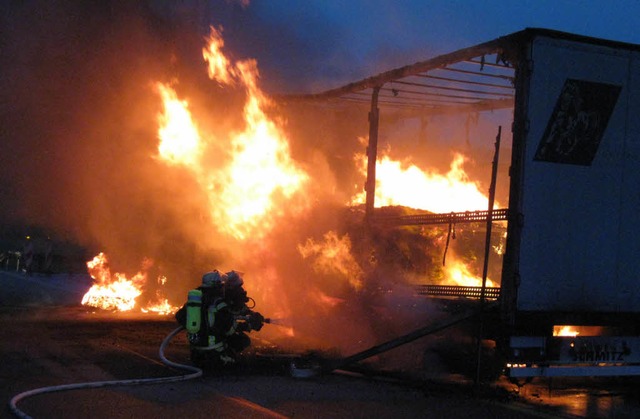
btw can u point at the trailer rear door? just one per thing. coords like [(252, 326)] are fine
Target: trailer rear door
[(581, 180)]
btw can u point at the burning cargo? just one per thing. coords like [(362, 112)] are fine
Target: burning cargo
[(319, 249), (568, 192), (286, 213)]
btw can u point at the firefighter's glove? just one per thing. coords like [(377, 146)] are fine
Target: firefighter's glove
[(256, 320), (244, 326)]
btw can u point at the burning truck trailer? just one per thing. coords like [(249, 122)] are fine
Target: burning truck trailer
[(559, 222)]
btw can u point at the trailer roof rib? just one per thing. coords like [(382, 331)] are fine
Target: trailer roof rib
[(489, 67), (469, 80)]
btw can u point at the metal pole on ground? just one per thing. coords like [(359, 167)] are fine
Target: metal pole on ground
[(402, 340)]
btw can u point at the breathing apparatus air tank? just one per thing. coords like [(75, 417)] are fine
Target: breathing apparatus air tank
[(194, 313)]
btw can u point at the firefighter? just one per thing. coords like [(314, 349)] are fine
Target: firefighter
[(217, 318), (245, 319)]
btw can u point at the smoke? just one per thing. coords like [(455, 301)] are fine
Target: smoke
[(78, 111), (346, 296), (79, 117)]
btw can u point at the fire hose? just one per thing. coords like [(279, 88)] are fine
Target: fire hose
[(195, 373)]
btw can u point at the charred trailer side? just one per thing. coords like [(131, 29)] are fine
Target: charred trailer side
[(572, 250)]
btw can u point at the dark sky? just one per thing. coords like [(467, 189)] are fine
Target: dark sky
[(76, 112), (316, 44)]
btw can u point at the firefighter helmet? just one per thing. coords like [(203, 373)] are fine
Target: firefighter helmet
[(211, 278), (234, 279)]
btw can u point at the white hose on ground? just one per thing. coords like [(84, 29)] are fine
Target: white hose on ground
[(195, 372)]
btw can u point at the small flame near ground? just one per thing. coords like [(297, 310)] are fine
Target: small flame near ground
[(116, 292)]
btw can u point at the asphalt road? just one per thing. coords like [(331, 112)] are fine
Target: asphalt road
[(50, 344), (63, 345)]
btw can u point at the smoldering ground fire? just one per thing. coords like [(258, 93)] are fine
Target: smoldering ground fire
[(195, 173)]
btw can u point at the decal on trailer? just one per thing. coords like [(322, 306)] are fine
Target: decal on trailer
[(578, 121), (588, 351)]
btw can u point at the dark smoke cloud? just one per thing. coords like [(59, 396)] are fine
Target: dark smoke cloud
[(313, 46), (79, 131), (78, 116), (78, 111)]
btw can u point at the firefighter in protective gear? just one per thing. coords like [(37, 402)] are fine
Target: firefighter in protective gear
[(217, 319)]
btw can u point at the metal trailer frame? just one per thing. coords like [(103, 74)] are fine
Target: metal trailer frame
[(486, 77)]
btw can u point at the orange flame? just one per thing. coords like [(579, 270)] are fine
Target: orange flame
[(118, 293), (261, 168), (111, 293), (399, 184), (179, 138), (244, 189), (163, 307), (565, 331), (457, 273), (219, 68), (333, 256)]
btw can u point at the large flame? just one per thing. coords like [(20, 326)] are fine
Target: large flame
[(408, 185), (179, 138), (247, 188), (398, 183), (261, 169), (252, 184)]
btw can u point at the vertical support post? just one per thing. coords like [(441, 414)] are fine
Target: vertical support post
[(372, 155), (487, 248)]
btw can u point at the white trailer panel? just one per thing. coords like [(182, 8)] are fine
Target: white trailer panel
[(581, 180)]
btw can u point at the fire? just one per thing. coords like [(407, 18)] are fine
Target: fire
[(333, 256), (163, 307), (117, 292), (565, 331), (248, 186), (111, 292), (268, 291), (220, 68), (179, 138), (457, 273), (254, 180), (328, 301), (399, 184), (261, 168)]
